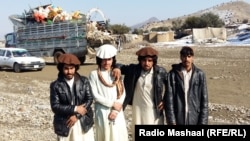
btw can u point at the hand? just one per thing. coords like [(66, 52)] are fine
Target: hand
[(113, 115), (116, 73), (117, 106), (71, 121), (160, 106), (81, 109)]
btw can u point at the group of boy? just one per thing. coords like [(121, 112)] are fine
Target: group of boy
[(180, 93)]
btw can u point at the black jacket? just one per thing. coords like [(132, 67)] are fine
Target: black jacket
[(131, 74), (197, 98), (60, 100)]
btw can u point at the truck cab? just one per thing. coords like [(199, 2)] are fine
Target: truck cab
[(10, 40)]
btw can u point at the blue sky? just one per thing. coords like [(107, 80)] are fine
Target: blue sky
[(128, 12)]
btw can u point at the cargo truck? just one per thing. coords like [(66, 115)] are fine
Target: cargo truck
[(52, 37)]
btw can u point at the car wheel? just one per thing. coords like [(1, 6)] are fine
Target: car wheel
[(17, 67)]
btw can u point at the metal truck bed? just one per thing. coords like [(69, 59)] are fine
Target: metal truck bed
[(67, 35)]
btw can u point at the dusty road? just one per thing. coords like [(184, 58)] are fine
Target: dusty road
[(24, 98)]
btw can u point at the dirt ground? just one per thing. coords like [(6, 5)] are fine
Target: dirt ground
[(24, 97)]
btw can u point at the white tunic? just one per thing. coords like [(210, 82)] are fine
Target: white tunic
[(187, 77), (105, 97), (143, 109)]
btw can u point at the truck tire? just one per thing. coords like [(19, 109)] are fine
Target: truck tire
[(56, 55), (82, 59)]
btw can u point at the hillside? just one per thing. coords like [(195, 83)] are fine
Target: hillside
[(230, 12)]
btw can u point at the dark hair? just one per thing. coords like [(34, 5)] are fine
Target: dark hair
[(61, 65), (99, 62), (186, 51), (154, 57)]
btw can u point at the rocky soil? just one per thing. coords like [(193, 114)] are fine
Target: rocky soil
[(24, 98)]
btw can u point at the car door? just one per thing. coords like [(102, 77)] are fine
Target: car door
[(8, 61)]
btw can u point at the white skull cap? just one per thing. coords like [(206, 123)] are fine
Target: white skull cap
[(106, 51)]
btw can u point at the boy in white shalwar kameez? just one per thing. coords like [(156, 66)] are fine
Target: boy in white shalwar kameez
[(109, 95)]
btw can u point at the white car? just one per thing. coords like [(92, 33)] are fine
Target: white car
[(20, 59)]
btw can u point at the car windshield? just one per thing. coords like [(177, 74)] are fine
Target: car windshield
[(20, 53)]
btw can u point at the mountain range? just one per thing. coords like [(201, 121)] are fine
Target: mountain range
[(230, 12)]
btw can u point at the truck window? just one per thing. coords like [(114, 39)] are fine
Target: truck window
[(10, 40)]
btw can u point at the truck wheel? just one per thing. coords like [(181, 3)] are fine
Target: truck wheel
[(17, 67), (82, 59), (56, 55)]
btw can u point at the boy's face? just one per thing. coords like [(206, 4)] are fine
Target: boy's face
[(147, 63), (69, 71), (107, 63), (187, 61)]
